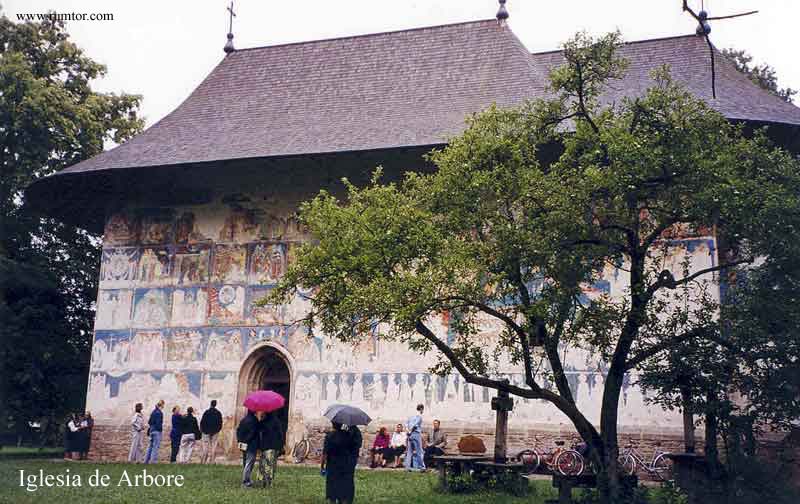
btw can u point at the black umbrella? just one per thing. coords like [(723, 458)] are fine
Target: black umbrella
[(347, 415)]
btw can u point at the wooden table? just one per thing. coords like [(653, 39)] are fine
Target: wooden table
[(490, 467), (457, 464)]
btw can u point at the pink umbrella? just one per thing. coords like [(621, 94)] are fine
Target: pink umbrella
[(264, 400)]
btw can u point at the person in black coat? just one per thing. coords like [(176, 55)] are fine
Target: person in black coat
[(248, 436), (210, 426), (190, 434), (339, 459)]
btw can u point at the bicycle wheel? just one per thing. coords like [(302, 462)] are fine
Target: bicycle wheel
[(662, 467), (530, 459), (628, 465), (300, 451), (570, 463)]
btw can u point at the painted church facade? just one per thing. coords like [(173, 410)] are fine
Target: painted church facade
[(199, 221)]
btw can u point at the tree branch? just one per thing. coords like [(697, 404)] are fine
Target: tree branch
[(666, 344)]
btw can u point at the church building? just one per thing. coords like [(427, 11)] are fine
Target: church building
[(198, 218)]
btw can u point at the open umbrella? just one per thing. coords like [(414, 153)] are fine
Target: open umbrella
[(264, 400), (347, 415)]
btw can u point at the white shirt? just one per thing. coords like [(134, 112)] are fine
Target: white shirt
[(398, 439), (72, 426), (137, 424)]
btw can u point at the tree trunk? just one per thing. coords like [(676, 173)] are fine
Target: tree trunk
[(712, 454), (608, 481), (688, 420)]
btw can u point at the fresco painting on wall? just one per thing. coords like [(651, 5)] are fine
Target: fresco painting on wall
[(262, 315), (147, 350), (118, 267), (240, 226), (113, 309), (186, 231), (226, 305), (111, 350), (121, 229), (267, 262), (229, 264), (224, 346), (154, 266), (184, 347), (189, 306), (151, 307), (191, 264), (157, 227)]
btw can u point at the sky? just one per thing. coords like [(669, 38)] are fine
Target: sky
[(163, 49)]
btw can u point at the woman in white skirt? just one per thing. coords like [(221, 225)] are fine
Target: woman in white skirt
[(190, 433)]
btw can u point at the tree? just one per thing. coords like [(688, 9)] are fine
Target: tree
[(763, 75), (49, 118), (527, 208)]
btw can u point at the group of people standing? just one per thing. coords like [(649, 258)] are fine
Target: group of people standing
[(78, 436), (184, 433), (407, 441)]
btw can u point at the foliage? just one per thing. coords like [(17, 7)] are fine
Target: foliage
[(763, 74), (51, 118), (520, 219)]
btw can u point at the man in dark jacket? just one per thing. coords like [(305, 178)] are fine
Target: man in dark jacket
[(155, 426), (271, 442), (247, 433), (210, 425)]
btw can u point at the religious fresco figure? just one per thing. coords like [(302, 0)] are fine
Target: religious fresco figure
[(99, 351), (189, 306), (186, 230), (157, 228), (405, 390), (377, 393), (152, 307), (331, 390), (113, 309), (357, 391), (267, 262), (229, 264), (240, 226), (118, 267), (147, 350), (154, 266), (121, 229), (307, 392), (191, 263), (184, 346), (419, 391), (226, 305)]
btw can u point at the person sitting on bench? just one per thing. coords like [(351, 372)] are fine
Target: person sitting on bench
[(437, 443)]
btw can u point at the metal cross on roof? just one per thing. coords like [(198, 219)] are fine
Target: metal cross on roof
[(704, 29), (229, 44)]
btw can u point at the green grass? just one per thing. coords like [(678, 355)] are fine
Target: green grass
[(221, 484), (29, 452)]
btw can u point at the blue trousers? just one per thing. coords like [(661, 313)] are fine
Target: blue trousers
[(152, 450), (414, 452)]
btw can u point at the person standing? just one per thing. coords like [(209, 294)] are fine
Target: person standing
[(271, 441), (210, 425), (136, 452), (339, 457), (175, 433), (70, 435), (437, 443), (413, 461), (248, 437), (87, 424), (155, 426), (190, 433)]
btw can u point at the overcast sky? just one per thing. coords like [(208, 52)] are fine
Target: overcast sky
[(163, 49)]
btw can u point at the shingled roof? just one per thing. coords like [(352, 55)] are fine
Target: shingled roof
[(408, 88), (396, 89), (689, 59)]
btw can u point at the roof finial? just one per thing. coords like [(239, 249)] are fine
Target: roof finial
[(229, 44), (502, 13)]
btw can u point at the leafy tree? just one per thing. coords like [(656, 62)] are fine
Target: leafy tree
[(49, 118), (763, 74), (520, 218)]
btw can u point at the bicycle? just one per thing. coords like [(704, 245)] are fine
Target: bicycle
[(632, 459), (565, 461)]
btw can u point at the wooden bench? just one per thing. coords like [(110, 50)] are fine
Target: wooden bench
[(455, 465), (565, 484)]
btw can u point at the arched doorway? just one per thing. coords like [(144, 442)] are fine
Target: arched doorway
[(267, 368)]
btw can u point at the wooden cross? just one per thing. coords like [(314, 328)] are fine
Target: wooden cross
[(502, 404), (233, 15)]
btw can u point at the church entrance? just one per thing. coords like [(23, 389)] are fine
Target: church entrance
[(267, 369)]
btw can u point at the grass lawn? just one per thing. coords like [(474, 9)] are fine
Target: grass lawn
[(27, 451), (221, 484)]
